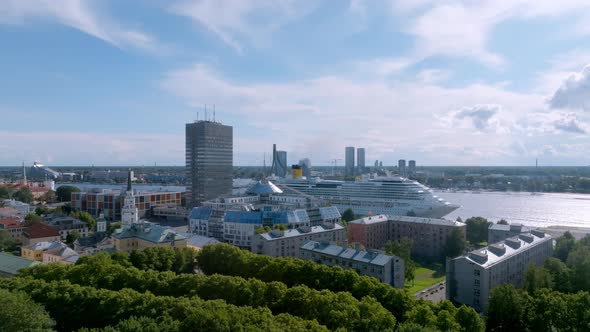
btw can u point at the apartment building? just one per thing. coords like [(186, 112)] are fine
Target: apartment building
[(388, 269), (500, 232), (471, 278), (279, 243), (109, 202), (428, 235)]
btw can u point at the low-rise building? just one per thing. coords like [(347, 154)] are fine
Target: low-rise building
[(66, 225), (428, 235), (8, 212), (279, 243), (22, 208), (14, 227), (40, 232), (471, 278), (94, 243), (198, 242), (386, 268), (50, 252), (10, 264), (170, 212), (141, 235), (500, 232)]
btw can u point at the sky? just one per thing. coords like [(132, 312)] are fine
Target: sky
[(473, 82)]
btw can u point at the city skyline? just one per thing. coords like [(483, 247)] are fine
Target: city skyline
[(444, 83)]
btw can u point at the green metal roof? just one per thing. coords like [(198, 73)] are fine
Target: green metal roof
[(9, 264)]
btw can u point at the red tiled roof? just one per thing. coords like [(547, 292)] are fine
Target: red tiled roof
[(8, 211), (10, 223), (39, 230)]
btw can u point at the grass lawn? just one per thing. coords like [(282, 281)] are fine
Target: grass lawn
[(425, 277)]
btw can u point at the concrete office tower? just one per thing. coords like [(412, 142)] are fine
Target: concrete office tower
[(411, 167), (279, 162), (401, 166), (380, 164), (305, 164), (360, 160), (209, 161), (349, 161), (376, 163)]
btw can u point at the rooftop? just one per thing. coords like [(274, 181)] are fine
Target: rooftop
[(512, 227), (150, 232), (9, 264), (371, 220), (58, 220), (369, 257), (9, 223), (40, 230), (47, 245), (273, 235), (200, 241), (503, 250), (430, 221), (264, 187)]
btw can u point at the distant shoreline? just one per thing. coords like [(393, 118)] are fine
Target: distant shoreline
[(557, 231)]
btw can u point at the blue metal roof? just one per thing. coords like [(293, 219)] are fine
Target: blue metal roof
[(201, 213), (243, 217)]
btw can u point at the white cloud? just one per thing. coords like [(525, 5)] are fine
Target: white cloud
[(79, 15), (574, 92), (235, 21), (463, 28), (317, 117), (87, 148), (431, 76)]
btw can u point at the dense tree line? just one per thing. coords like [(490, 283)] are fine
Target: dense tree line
[(568, 271), (334, 310), (229, 260), (74, 307), (477, 229), (512, 309), (19, 313)]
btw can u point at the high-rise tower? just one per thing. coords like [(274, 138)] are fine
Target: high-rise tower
[(401, 167), (279, 162), (349, 161), (209, 161), (360, 160)]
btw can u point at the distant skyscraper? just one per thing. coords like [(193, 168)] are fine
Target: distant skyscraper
[(401, 167), (349, 161), (411, 167), (279, 162), (381, 164), (305, 167), (376, 163), (209, 161), (360, 160)]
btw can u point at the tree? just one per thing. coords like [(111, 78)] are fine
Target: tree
[(19, 313), (469, 320), (348, 215), (32, 218), (455, 244), (5, 192), (72, 237), (40, 211), (536, 277), (563, 245), (49, 197), (477, 229), (403, 249), (64, 193), (560, 274), (503, 222), (24, 194), (7, 243), (506, 309), (85, 217), (112, 227)]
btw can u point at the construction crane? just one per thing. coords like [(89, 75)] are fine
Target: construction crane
[(334, 162)]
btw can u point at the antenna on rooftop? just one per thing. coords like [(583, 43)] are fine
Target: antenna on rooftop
[(206, 113), (213, 112)]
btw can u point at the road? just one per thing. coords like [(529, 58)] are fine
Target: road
[(435, 293)]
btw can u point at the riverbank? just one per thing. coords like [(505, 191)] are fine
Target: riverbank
[(557, 231)]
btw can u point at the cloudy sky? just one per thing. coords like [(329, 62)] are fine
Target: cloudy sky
[(110, 82)]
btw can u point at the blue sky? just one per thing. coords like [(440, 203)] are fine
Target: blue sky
[(107, 82)]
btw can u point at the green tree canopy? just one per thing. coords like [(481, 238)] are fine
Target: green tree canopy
[(72, 237), (19, 313), (348, 215), (455, 243), (64, 193), (7, 243), (85, 217), (403, 249), (32, 218), (24, 194), (477, 229), (6, 192)]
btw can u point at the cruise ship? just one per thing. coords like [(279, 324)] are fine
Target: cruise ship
[(391, 195)]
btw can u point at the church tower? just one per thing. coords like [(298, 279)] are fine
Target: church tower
[(129, 212)]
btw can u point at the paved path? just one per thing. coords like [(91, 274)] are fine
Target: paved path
[(435, 293)]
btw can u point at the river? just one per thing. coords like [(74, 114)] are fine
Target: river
[(539, 210)]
